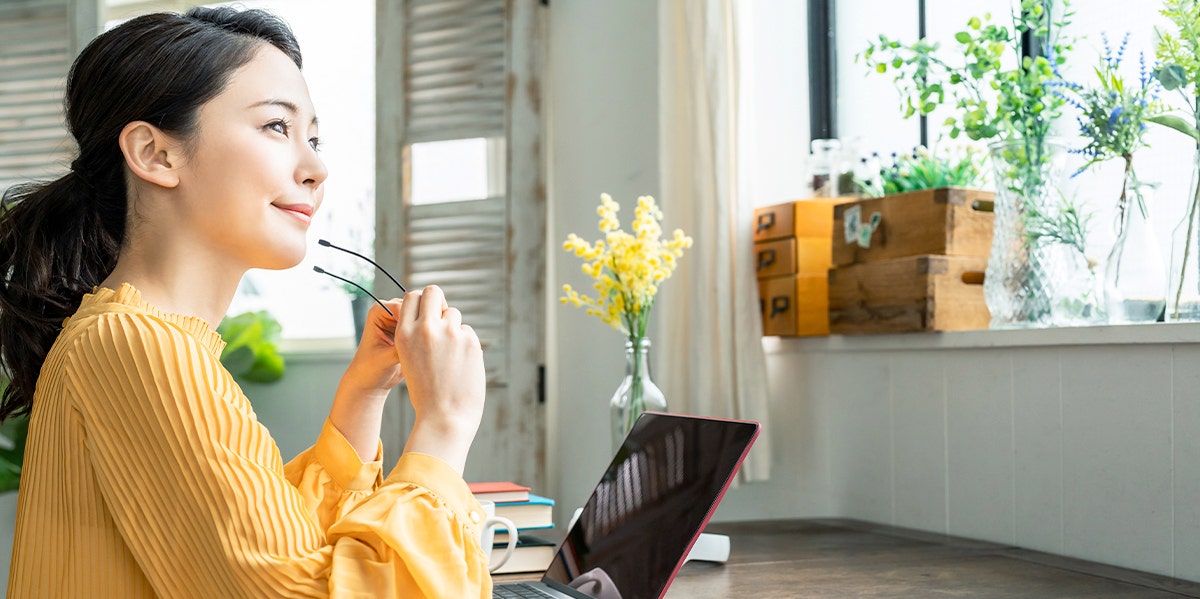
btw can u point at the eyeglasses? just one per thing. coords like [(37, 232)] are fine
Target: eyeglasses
[(345, 280)]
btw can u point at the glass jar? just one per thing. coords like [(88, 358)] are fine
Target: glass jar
[(826, 161)]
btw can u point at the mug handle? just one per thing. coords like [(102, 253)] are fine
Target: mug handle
[(512, 539)]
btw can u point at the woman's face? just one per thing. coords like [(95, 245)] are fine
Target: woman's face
[(253, 180)]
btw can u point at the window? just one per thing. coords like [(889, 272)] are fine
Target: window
[(870, 119), (461, 200), (458, 169)]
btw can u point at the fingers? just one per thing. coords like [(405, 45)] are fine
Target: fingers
[(453, 316), (392, 309), (466, 328), (410, 307), (433, 303)]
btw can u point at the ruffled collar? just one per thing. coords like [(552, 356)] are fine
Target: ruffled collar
[(103, 299)]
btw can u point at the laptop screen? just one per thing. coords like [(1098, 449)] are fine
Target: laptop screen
[(659, 491)]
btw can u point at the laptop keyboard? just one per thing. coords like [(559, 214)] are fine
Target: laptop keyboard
[(518, 591)]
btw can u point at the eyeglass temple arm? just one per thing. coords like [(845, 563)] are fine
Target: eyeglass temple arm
[(376, 264), (325, 272)]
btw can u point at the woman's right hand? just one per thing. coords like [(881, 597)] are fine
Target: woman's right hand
[(442, 362)]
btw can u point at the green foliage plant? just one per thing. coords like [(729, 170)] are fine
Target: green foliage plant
[(1023, 107), (251, 347), (1112, 115), (992, 101), (1178, 55), (925, 169), (12, 447)]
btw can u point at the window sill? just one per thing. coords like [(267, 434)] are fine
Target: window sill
[(327, 349), (1133, 334)]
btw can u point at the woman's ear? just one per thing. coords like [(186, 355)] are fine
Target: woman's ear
[(151, 154)]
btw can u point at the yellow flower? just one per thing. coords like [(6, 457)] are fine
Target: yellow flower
[(626, 269)]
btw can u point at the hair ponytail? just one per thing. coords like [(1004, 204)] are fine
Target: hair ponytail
[(60, 239), (55, 244)]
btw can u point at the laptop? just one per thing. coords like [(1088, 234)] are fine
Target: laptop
[(647, 511)]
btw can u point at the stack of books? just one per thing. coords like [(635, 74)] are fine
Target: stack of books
[(532, 514)]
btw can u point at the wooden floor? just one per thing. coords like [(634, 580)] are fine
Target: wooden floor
[(846, 558)]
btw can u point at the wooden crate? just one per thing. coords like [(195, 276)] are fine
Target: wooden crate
[(796, 305), (948, 221), (918, 293), (801, 218)]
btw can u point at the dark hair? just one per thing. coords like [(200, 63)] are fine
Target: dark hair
[(60, 239)]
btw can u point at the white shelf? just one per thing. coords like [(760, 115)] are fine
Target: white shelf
[(1134, 334)]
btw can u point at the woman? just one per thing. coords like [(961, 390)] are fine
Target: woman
[(146, 472)]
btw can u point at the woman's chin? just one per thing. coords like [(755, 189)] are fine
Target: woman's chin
[(282, 258)]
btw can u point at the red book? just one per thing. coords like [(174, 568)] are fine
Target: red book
[(499, 491)]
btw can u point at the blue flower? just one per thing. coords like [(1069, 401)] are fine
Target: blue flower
[(1121, 50), (1112, 117)]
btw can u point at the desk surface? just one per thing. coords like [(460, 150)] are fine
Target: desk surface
[(850, 559)]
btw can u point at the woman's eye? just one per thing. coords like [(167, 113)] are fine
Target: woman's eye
[(278, 127), (315, 142)]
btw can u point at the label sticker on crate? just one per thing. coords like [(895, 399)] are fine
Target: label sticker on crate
[(855, 230)]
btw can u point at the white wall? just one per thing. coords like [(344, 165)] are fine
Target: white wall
[(1090, 451)]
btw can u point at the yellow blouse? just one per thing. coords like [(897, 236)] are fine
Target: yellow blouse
[(147, 474)]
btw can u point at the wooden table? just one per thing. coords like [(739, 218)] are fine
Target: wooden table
[(851, 559)]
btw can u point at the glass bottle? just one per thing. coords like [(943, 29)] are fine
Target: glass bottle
[(1135, 277), (637, 393), (826, 160)]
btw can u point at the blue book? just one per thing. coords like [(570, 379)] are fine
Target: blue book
[(537, 512)]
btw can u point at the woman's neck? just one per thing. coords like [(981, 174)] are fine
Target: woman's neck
[(179, 281)]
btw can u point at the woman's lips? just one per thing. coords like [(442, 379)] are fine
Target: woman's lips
[(301, 212)]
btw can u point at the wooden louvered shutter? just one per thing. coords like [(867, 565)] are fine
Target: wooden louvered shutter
[(38, 41), (468, 69)]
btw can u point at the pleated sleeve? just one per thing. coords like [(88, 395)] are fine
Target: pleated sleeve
[(196, 487)]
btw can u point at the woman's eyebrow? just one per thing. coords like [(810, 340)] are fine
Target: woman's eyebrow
[(289, 106)]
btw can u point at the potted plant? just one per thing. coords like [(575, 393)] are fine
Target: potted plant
[(1112, 115), (1032, 280), (920, 170), (251, 347)]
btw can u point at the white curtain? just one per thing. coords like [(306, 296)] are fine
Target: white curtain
[(708, 350)]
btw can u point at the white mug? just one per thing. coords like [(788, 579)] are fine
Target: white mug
[(488, 534)]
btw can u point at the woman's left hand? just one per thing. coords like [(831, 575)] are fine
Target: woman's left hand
[(375, 369), (373, 372)]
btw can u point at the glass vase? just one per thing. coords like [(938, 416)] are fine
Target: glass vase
[(637, 393), (1026, 276), (1183, 290), (1135, 276)]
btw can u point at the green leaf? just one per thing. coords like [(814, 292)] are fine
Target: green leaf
[(881, 68), (238, 359), (1178, 124), (268, 368), (974, 23), (1171, 76), (12, 453), (962, 37), (250, 346)]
